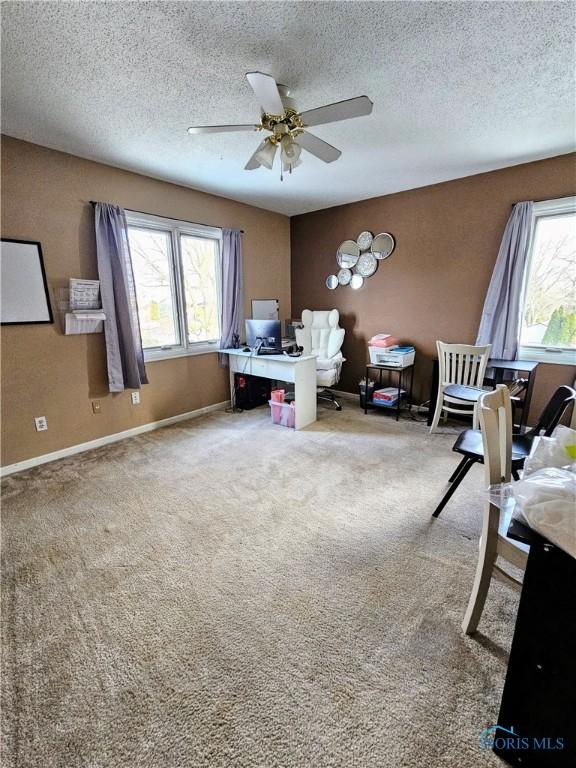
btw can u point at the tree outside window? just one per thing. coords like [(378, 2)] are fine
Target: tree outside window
[(549, 316)]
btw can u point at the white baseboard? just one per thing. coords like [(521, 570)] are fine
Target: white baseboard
[(20, 466)]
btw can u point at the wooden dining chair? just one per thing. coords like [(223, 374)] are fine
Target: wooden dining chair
[(495, 414), (461, 370)]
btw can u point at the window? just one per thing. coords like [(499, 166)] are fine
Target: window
[(177, 285), (548, 321)]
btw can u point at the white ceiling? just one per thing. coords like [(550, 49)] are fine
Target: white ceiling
[(458, 88)]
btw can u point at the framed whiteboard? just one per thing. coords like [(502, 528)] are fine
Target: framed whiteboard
[(265, 309), (23, 286)]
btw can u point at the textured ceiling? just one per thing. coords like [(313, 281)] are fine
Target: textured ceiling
[(458, 88)]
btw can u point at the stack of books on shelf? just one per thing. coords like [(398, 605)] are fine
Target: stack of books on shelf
[(387, 397)]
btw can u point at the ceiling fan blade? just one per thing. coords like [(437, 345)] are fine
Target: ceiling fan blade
[(266, 90), (220, 128), (317, 147), (254, 163), (340, 110)]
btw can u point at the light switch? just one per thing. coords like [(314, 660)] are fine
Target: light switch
[(41, 423)]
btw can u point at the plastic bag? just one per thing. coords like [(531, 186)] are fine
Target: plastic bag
[(547, 500), (501, 495), (546, 495), (556, 451)]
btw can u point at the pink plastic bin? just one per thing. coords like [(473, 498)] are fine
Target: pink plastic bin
[(283, 413)]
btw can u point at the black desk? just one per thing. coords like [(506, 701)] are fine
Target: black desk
[(494, 375), (539, 697)]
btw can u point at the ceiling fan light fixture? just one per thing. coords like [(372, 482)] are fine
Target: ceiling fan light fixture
[(266, 154), (290, 153)]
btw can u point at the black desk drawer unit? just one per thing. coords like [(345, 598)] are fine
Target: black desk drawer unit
[(539, 698)]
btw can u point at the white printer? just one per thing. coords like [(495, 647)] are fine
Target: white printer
[(397, 357)]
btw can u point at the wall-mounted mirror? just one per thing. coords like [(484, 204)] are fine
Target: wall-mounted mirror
[(347, 254), (364, 240), (367, 265), (382, 245), (356, 282), (331, 282), (344, 276)]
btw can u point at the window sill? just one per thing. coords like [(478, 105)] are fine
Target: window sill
[(543, 355), (169, 354)]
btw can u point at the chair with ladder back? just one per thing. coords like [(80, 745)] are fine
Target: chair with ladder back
[(495, 414), (461, 370)]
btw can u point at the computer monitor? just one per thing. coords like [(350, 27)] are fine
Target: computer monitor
[(265, 333)]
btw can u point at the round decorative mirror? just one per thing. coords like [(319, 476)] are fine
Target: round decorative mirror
[(344, 276), (382, 245), (356, 282), (365, 240), (347, 254), (331, 282), (366, 265)]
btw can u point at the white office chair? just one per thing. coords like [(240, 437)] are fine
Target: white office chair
[(322, 336)]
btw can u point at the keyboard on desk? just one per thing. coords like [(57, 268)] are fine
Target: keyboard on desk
[(269, 351)]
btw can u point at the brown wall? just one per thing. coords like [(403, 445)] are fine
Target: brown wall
[(45, 197), (433, 286)]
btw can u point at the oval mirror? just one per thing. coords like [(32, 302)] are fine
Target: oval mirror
[(356, 282), (364, 240), (347, 254), (382, 245), (344, 276), (331, 282)]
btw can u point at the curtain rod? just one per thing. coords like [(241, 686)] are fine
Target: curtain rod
[(172, 218), (544, 200)]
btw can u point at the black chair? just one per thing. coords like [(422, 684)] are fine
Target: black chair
[(469, 442)]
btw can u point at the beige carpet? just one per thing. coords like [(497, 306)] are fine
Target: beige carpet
[(228, 593)]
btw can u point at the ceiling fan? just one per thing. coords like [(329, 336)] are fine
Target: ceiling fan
[(287, 125)]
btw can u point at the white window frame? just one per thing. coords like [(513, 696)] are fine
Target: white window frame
[(538, 352), (177, 227)]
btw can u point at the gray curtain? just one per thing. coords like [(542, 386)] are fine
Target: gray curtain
[(500, 323), (122, 327), (232, 288)]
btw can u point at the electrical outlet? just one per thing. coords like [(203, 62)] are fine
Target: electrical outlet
[(135, 398), (41, 423), (96, 406)]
